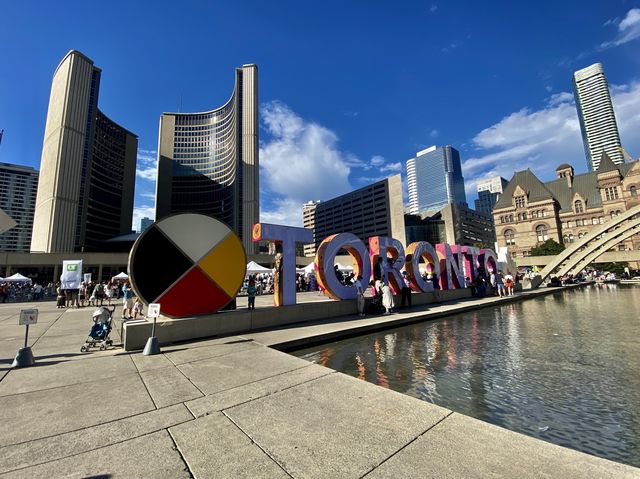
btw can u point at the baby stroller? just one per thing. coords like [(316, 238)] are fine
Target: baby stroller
[(99, 333), (375, 306)]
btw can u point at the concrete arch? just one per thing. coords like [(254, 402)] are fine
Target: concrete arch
[(588, 245), (603, 248)]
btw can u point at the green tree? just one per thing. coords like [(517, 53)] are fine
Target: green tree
[(615, 268), (549, 248)]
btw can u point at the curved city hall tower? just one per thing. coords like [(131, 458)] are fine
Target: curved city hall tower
[(88, 166), (208, 162)]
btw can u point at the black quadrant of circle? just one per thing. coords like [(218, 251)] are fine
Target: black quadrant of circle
[(157, 264)]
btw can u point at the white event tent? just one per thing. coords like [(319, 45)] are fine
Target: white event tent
[(121, 276), (255, 268), (18, 278)]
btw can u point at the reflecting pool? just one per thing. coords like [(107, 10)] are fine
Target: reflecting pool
[(564, 368)]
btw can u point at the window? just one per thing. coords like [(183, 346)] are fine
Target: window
[(601, 220), (564, 225), (509, 237), (578, 206), (594, 221), (519, 201), (541, 233), (611, 193), (544, 213), (570, 238), (569, 224), (579, 222), (633, 191)]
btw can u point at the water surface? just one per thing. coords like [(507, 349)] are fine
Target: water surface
[(564, 368)]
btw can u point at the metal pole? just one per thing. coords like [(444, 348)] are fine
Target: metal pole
[(153, 328), (26, 336)]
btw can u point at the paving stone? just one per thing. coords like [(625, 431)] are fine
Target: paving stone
[(148, 363), (219, 347), (96, 437), (148, 456), (47, 374), (461, 446), (213, 447), (232, 370), (233, 397), (334, 426), (38, 414), (169, 386)]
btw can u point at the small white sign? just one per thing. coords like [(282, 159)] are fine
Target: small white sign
[(154, 310), (28, 316)]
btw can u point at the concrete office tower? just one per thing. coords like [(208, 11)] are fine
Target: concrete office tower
[(375, 210), (88, 166), (434, 179), (208, 162), (18, 188), (488, 193), (596, 115)]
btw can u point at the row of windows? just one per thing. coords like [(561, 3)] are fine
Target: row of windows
[(611, 193), (541, 235)]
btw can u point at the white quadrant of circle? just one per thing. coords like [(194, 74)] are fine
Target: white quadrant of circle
[(194, 234)]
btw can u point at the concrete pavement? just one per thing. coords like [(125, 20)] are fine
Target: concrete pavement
[(234, 407)]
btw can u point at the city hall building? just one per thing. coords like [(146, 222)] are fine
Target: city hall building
[(88, 166), (208, 161), (529, 212)]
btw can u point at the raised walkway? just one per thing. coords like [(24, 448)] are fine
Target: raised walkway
[(236, 407)]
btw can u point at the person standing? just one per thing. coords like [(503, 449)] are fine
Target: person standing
[(406, 290), (387, 298), (508, 283), (127, 301), (251, 293), (360, 292)]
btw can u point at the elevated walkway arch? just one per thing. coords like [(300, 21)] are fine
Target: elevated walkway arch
[(598, 241)]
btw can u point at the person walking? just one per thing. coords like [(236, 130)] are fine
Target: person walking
[(360, 292), (500, 283), (406, 290)]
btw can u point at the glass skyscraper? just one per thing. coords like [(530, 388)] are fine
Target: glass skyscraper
[(434, 179), (596, 115)]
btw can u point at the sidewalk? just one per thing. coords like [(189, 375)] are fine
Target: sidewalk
[(233, 407)]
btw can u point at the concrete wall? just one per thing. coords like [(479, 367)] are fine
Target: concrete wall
[(244, 321)]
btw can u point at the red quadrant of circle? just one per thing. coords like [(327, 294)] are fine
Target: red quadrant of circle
[(194, 294)]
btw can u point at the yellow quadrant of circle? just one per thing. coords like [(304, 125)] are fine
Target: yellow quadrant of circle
[(226, 264)]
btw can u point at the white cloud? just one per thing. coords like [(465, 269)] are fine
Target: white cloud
[(377, 160), (146, 167), (140, 212), (628, 29), (300, 162), (542, 139), (433, 8), (434, 133), (392, 167)]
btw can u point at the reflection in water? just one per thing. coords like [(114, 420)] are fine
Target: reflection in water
[(564, 368)]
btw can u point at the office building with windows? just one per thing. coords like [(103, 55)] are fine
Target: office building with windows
[(434, 179), (18, 188), (375, 210), (208, 161), (488, 193), (88, 166), (145, 223), (596, 115)]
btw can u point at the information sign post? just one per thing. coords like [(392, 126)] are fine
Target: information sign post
[(152, 347), (24, 357)]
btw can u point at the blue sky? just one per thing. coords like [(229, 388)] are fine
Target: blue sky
[(348, 90)]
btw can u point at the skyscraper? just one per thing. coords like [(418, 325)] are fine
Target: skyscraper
[(596, 115), (434, 179), (88, 166), (18, 187), (208, 162), (488, 193)]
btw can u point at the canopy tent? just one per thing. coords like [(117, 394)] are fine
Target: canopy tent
[(18, 278), (121, 276), (342, 267), (310, 268), (255, 268), (300, 271)]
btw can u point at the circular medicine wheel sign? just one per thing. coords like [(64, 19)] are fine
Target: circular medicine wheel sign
[(191, 264)]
